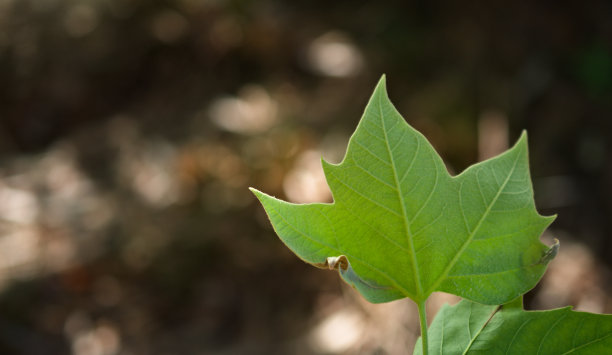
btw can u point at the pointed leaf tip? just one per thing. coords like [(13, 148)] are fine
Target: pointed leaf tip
[(260, 195), (522, 139), (523, 136), (382, 84), (254, 191)]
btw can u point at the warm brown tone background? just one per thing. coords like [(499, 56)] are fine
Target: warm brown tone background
[(131, 129)]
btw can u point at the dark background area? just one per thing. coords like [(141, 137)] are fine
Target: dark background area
[(131, 129)]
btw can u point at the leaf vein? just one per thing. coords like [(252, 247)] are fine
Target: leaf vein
[(587, 344), (395, 283), (465, 221), (416, 153), (375, 230), (415, 264), (515, 334), (399, 140), (430, 223), (371, 152), (452, 263), (371, 134), (548, 332), (366, 197), (431, 193), (357, 164), (484, 200)]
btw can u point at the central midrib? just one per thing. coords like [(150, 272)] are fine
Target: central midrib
[(415, 265), (473, 339)]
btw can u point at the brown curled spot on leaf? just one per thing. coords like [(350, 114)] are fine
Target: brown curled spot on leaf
[(334, 263), (343, 266), (338, 263)]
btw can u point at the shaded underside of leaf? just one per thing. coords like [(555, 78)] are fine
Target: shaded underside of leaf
[(471, 328), (408, 228)]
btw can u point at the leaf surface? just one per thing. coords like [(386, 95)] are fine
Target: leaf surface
[(471, 328), (402, 226)]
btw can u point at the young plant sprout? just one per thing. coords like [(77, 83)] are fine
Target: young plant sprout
[(401, 226)]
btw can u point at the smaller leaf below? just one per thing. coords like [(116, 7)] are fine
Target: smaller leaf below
[(472, 328)]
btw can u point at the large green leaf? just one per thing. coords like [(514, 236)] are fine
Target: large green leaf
[(401, 226), (471, 328)]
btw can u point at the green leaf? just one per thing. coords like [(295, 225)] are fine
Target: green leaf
[(401, 226), (471, 328)]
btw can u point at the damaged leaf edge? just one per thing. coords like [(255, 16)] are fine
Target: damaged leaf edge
[(343, 266), (551, 253)]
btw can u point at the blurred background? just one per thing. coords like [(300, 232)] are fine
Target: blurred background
[(131, 129)]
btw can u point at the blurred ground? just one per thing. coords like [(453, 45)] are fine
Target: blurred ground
[(130, 131)]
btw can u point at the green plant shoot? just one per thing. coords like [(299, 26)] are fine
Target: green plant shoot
[(402, 226)]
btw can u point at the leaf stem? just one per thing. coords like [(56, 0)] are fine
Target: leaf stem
[(423, 321)]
